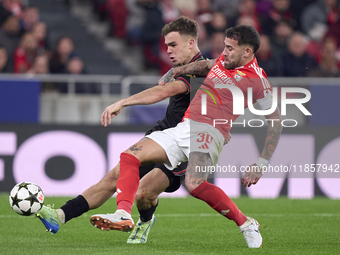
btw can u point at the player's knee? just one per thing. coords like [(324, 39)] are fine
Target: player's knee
[(190, 186), (193, 183), (129, 155), (128, 151)]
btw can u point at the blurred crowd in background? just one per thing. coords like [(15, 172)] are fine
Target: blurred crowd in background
[(298, 38), (25, 46)]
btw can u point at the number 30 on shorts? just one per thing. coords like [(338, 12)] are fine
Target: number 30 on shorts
[(204, 138)]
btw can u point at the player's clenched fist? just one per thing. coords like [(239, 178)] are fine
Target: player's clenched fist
[(110, 112)]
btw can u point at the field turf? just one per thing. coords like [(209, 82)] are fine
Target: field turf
[(183, 226)]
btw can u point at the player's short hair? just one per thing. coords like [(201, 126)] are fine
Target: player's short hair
[(244, 35), (183, 25)]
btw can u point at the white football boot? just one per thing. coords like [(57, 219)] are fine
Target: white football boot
[(120, 220), (251, 232)]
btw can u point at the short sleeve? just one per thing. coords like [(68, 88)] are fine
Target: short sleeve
[(186, 79), (266, 102)]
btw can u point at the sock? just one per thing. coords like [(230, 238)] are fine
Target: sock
[(128, 181), (146, 215), (246, 224), (61, 215), (75, 207), (124, 205), (219, 201)]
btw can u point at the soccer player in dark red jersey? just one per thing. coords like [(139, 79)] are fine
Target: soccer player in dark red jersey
[(197, 139)]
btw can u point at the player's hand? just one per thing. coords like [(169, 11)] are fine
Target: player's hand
[(110, 112), (166, 78), (252, 175), (226, 140)]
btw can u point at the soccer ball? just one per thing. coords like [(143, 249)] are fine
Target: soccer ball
[(26, 198)]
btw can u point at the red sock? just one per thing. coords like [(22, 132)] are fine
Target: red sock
[(219, 201), (128, 181)]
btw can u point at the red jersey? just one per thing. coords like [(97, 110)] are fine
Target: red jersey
[(22, 61), (218, 100)]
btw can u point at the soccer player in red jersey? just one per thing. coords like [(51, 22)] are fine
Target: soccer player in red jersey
[(197, 139), (181, 39)]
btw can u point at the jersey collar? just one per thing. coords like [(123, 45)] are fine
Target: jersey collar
[(254, 61), (195, 57)]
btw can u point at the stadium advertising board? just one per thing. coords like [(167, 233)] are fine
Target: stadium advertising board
[(66, 160)]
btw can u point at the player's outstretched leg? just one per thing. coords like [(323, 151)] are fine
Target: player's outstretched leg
[(215, 197), (50, 218), (127, 186), (251, 232), (120, 220), (141, 231), (92, 198)]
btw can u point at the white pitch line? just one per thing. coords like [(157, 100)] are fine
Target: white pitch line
[(253, 214), (178, 215)]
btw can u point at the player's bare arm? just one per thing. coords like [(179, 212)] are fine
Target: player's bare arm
[(254, 172), (200, 68), (146, 97), (273, 134)]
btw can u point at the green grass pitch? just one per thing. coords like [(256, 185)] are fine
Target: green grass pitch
[(183, 226)]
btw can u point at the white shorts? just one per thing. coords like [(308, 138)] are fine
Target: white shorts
[(186, 137)]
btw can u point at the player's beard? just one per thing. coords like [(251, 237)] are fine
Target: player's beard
[(230, 65), (233, 64)]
